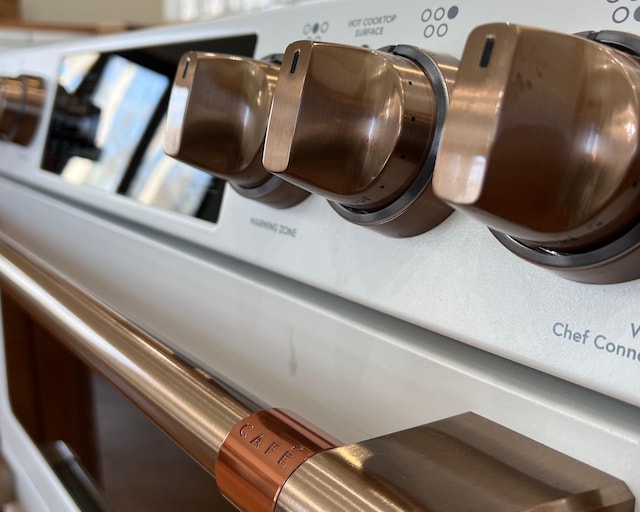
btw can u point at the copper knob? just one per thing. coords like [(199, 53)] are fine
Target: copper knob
[(217, 118), (359, 127), (21, 101), (542, 138)]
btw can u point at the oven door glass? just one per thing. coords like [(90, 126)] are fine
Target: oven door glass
[(107, 455)]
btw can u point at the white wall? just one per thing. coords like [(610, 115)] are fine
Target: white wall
[(11, 38), (93, 11), (139, 11)]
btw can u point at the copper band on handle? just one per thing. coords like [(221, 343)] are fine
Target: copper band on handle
[(261, 452)]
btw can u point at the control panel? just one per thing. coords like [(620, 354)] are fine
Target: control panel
[(482, 145)]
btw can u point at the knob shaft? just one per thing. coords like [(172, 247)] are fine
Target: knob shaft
[(217, 119), (542, 138), (21, 101), (357, 126)]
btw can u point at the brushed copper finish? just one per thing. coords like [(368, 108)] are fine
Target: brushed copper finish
[(461, 464), (356, 126), (21, 101), (261, 452), (217, 118), (342, 120), (541, 139)]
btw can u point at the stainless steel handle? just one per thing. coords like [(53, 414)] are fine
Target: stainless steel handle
[(272, 460)]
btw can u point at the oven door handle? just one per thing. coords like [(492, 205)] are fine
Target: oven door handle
[(272, 460), (190, 406), (209, 419)]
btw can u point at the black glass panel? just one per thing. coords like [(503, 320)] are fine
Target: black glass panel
[(108, 120)]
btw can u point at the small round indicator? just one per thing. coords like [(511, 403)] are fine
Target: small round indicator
[(429, 30), (439, 14), (442, 30), (621, 14), (453, 12), (426, 14), (636, 14)]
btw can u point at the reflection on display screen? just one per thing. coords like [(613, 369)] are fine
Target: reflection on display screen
[(107, 126), (167, 183), (127, 95)]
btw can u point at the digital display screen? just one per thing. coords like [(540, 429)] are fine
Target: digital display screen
[(108, 121), (167, 183), (127, 96)]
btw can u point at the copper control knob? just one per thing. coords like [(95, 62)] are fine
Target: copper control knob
[(542, 145), (217, 118), (360, 127), (21, 101)]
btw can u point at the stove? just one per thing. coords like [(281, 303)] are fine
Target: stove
[(421, 244)]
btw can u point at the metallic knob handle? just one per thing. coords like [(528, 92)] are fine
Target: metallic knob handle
[(217, 120), (541, 141), (21, 101), (359, 127)]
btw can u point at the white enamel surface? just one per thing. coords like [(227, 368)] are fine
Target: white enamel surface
[(360, 350)]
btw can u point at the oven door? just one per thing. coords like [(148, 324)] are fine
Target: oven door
[(82, 382), (84, 392), (150, 312)]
